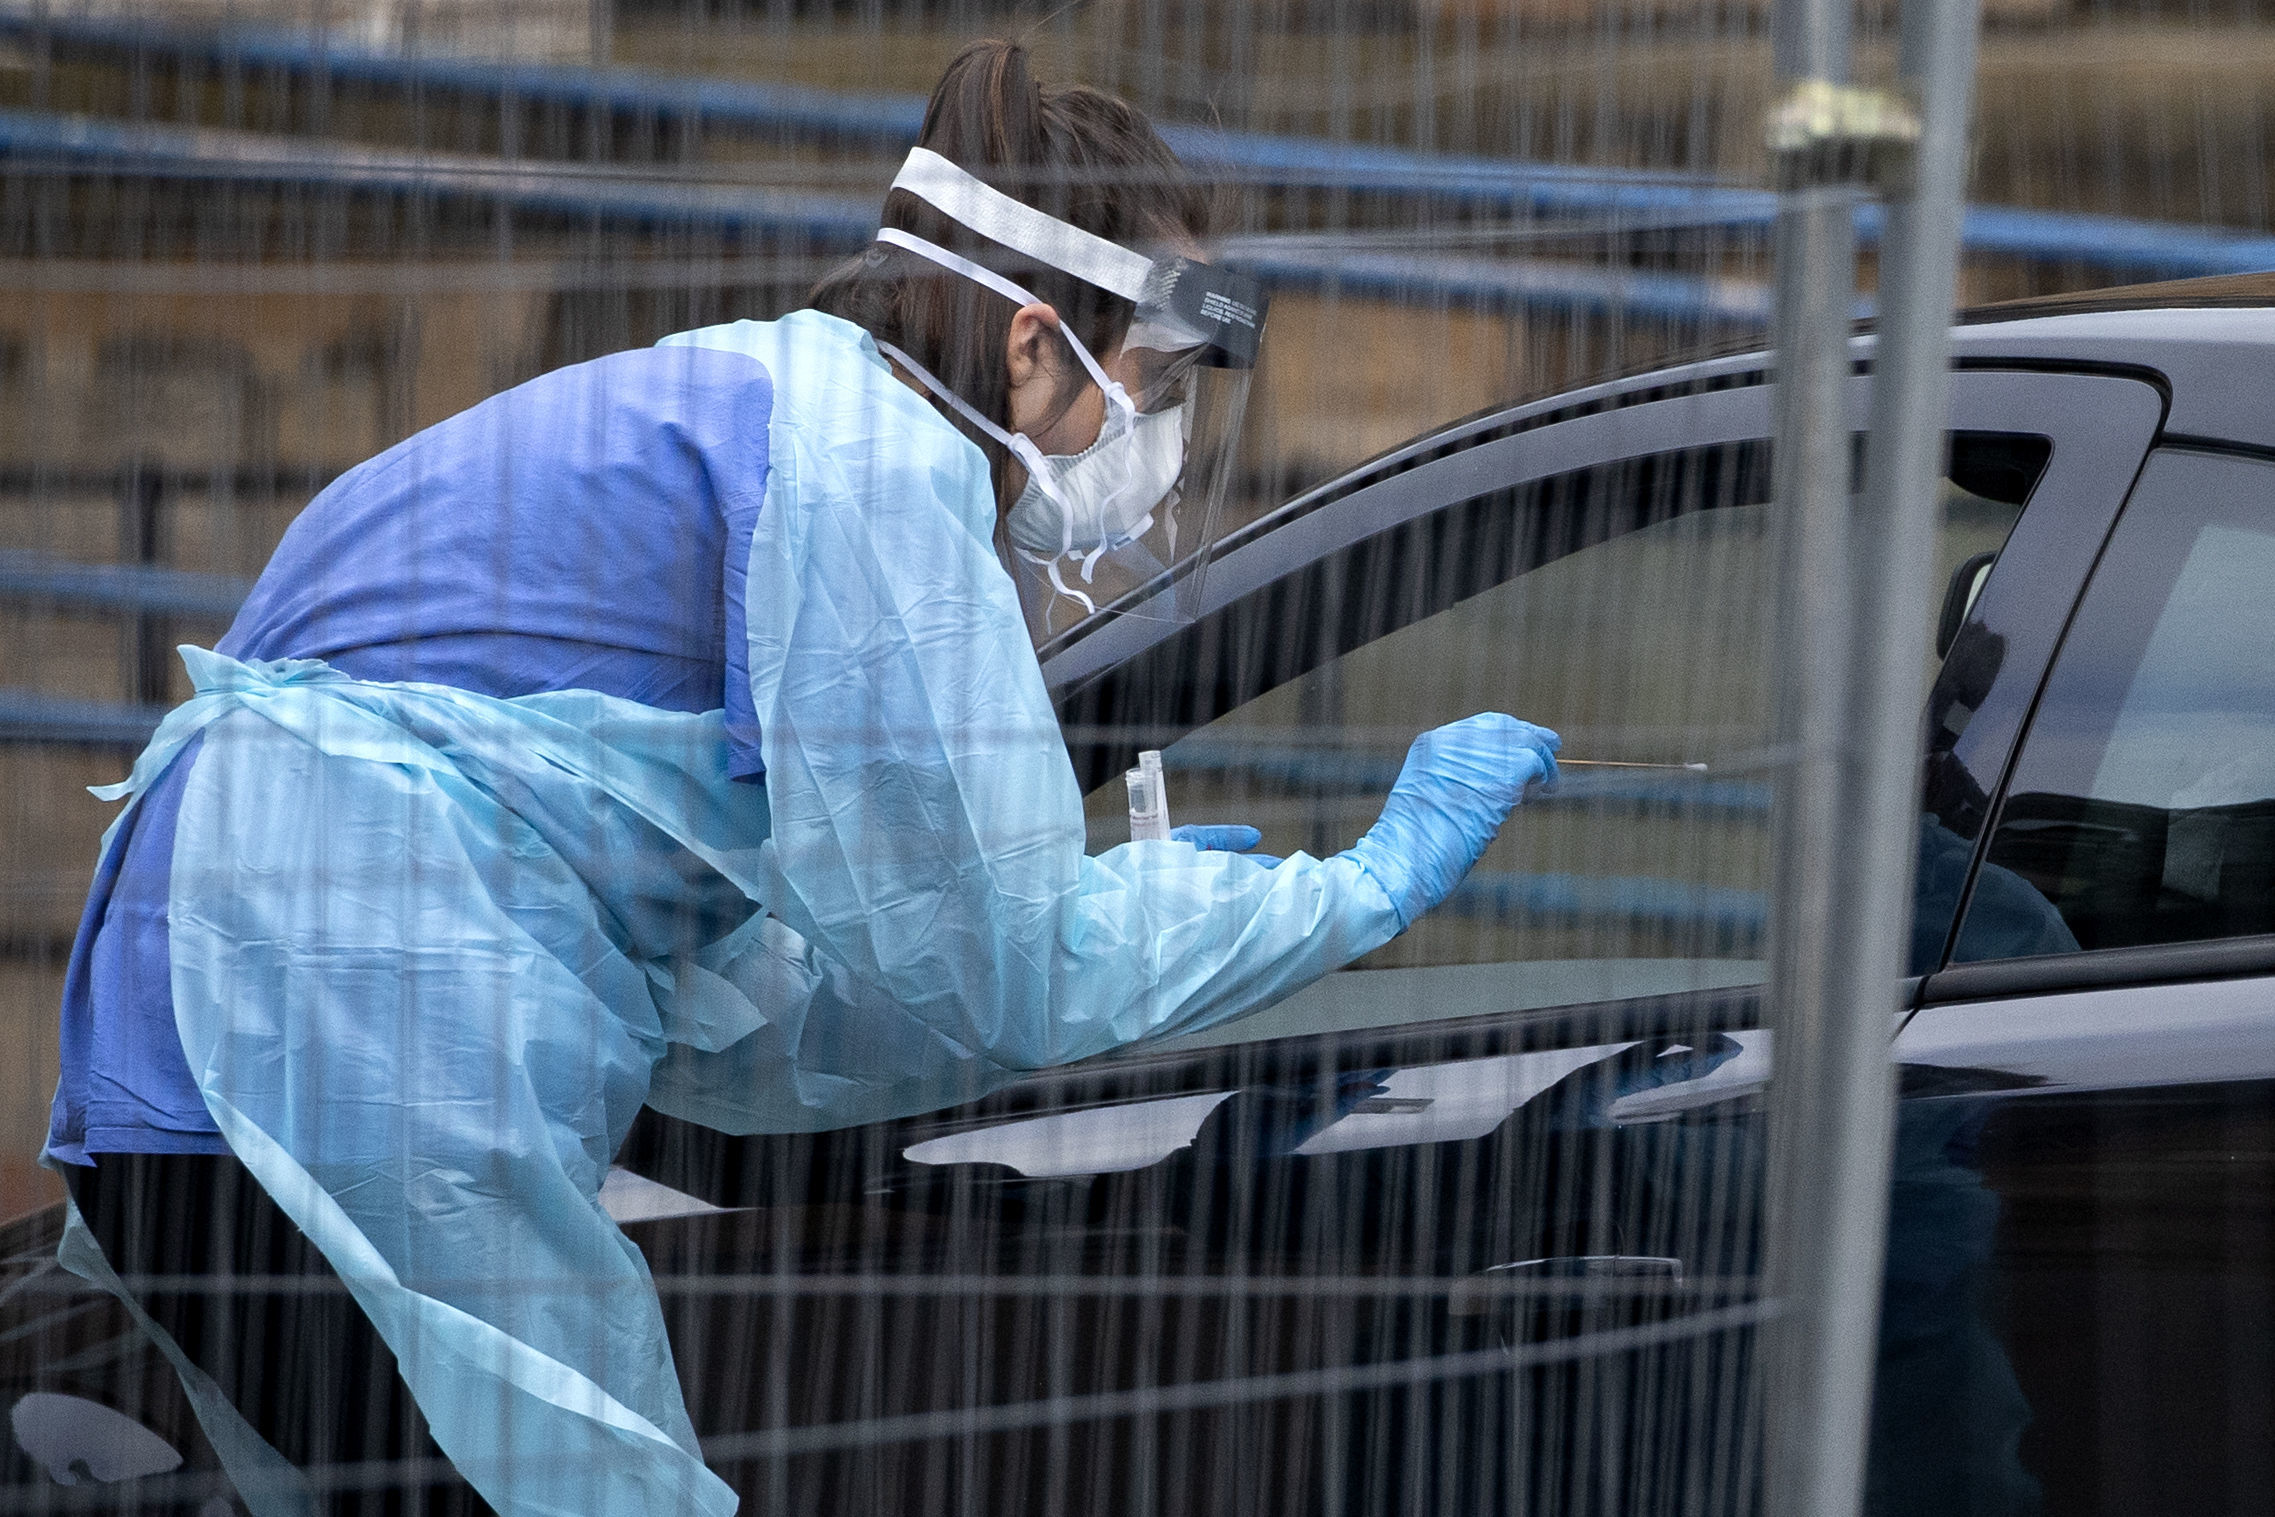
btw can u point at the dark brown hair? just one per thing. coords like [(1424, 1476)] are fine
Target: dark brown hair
[(1074, 152)]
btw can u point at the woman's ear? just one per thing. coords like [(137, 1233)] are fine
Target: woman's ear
[(1027, 359), (1042, 399)]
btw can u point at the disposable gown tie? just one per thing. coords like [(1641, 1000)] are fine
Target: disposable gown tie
[(433, 950)]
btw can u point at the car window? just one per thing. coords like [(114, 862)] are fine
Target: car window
[(2142, 805), (1648, 646)]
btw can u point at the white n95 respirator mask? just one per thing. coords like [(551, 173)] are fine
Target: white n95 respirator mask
[(1102, 498)]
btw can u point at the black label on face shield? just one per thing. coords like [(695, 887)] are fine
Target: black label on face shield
[(1217, 306), (1227, 307)]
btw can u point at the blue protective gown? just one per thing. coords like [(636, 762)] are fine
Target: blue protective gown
[(653, 465), (432, 948)]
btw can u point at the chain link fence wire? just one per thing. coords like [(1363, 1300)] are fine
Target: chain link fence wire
[(1473, 1227)]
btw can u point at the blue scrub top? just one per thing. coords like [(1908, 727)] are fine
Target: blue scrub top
[(587, 530)]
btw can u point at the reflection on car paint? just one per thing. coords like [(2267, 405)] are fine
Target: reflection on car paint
[(78, 1441), (1100, 1141), (1354, 1000), (1456, 1102), (1577, 1274), (1451, 1103), (628, 1197), (1744, 1073), (1428, 1103), (2208, 1033)]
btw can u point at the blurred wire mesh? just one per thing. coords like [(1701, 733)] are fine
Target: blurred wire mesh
[(244, 246)]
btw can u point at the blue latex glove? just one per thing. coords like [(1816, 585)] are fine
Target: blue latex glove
[(1458, 784), (1229, 837), (1224, 837)]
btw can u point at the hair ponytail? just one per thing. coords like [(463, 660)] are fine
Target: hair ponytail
[(986, 112), (1073, 152)]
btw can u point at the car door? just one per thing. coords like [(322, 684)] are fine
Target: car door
[(2094, 1239), (1470, 1226)]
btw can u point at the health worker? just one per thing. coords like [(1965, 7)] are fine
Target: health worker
[(668, 730)]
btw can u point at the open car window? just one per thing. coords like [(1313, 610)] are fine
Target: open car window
[(1630, 606)]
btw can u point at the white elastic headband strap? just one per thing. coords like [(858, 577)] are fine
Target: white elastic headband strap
[(980, 273), (1020, 227)]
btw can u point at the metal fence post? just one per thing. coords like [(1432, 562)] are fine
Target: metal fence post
[(1855, 590)]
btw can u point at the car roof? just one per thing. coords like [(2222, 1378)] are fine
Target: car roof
[(2209, 343), (2217, 292)]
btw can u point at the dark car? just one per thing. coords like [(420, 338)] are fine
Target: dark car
[(1477, 1224)]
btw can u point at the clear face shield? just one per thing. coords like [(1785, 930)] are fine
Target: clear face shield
[(1123, 528)]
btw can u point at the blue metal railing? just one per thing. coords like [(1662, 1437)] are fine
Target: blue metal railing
[(2136, 248), (29, 717), (77, 144), (1735, 918), (143, 588), (205, 155)]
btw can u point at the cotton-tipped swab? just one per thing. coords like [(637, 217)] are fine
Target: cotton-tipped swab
[(1571, 763)]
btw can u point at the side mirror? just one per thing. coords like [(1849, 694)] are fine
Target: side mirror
[(1959, 599)]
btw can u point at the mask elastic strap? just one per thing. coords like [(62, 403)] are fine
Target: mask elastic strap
[(981, 274), (1021, 447), (957, 403), (1050, 565), (1058, 583)]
